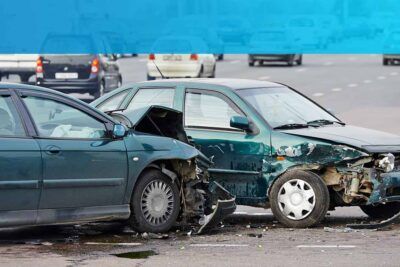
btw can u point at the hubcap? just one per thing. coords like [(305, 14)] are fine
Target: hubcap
[(157, 202), (296, 199)]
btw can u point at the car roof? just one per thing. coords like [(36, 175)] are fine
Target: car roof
[(234, 84)]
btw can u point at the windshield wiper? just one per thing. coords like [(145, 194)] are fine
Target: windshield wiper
[(324, 122), (291, 126)]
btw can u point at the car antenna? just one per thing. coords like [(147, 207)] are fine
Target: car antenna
[(162, 76)]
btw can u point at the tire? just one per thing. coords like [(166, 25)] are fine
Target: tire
[(100, 92), (221, 57), (150, 78), (381, 211), (290, 61), (314, 202), (385, 62), (25, 78), (213, 73), (145, 222), (300, 60), (251, 63)]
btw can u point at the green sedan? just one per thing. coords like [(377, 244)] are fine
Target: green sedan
[(63, 161), (273, 147)]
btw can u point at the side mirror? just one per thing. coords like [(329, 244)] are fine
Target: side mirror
[(240, 122), (119, 131)]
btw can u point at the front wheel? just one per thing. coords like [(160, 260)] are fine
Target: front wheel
[(155, 203), (381, 211), (299, 199)]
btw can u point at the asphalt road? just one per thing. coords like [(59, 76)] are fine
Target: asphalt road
[(356, 87)]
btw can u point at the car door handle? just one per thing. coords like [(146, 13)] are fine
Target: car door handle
[(53, 150)]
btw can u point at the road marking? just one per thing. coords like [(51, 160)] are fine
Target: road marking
[(326, 246), (219, 245), (336, 89), (301, 70), (318, 94), (264, 78), (328, 63), (395, 73), (352, 85), (367, 81), (234, 61), (381, 77)]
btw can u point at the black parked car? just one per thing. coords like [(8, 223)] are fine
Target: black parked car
[(95, 74)]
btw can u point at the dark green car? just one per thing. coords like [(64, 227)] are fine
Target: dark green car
[(62, 161), (273, 147)]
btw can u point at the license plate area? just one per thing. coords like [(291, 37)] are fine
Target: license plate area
[(172, 57), (66, 75)]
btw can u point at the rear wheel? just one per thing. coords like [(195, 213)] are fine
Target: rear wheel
[(25, 77), (385, 61), (381, 211), (299, 61), (251, 63), (155, 203), (299, 199)]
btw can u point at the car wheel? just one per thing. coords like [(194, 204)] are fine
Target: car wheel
[(290, 62), (213, 72), (155, 203), (299, 199), (221, 57), (150, 78), (251, 63), (385, 62), (381, 211), (100, 92), (25, 78), (300, 61)]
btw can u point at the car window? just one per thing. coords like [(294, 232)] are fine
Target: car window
[(153, 96), (208, 110), (113, 102), (10, 122), (57, 120)]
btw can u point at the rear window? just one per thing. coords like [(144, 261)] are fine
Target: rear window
[(68, 43)]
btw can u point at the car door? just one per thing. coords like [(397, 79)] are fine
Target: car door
[(238, 156), (82, 165), (20, 166)]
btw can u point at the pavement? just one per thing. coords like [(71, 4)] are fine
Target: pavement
[(356, 87)]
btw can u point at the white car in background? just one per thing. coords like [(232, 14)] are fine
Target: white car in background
[(186, 65)]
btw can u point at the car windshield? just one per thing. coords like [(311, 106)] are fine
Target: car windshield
[(282, 106)]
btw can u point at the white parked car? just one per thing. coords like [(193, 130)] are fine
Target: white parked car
[(182, 65)]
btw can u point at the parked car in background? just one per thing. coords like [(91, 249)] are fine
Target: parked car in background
[(391, 47), (64, 162), (273, 147), (180, 65), (276, 42), (93, 74), (22, 65)]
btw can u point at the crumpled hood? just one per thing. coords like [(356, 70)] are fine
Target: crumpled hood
[(366, 139)]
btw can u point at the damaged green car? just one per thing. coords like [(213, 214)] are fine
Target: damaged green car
[(273, 147)]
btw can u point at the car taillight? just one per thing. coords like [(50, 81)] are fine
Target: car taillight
[(95, 65), (152, 57), (39, 65), (194, 57)]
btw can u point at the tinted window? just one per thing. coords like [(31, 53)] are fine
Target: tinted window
[(206, 110), (10, 122), (57, 120), (113, 102), (153, 96)]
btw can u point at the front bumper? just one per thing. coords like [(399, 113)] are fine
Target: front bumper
[(386, 189), (225, 206)]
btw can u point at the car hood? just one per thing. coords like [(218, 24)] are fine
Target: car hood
[(369, 140), (155, 120)]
